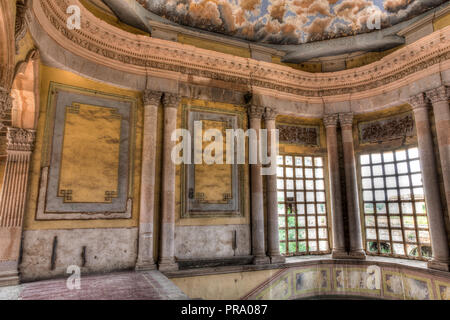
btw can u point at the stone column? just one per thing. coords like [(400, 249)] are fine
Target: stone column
[(337, 217), (354, 218), (436, 221), (152, 100), (20, 143), (273, 241), (257, 201), (439, 98), (167, 255)]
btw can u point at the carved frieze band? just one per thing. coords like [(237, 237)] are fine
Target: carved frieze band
[(299, 135), (98, 38), (393, 128), (152, 98), (20, 139)]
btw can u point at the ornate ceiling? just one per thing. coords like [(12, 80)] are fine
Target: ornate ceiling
[(288, 21)]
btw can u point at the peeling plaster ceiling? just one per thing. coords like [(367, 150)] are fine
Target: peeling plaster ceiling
[(288, 21)]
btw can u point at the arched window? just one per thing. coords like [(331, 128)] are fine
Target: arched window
[(395, 217), (302, 205)]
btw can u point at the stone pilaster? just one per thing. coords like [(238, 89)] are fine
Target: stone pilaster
[(354, 218), (152, 100), (273, 241), (337, 217), (438, 234), (439, 98), (167, 255), (20, 144), (257, 202)]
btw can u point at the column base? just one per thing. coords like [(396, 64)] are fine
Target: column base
[(146, 266), (339, 254), (357, 255), (167, 265), (439, 265), (261, 260), (277, 259), (9, 278)]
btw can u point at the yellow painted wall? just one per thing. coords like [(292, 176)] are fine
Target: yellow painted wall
[(47, 75), (442, 22), (232, 286)]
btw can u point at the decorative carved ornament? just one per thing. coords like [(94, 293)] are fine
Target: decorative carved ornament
[(171, 100), (346, 119), (5, 103), (418, 101), (439, 94), (21, 26), (20, 139), (299, 135), (385, 130), (102, 43), (152, 98), (255, 112), (270, 114), (330, 120)]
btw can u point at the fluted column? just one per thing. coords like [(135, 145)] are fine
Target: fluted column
[(337, 218), (439, 98), (152, 100), (354, 219), (257, 204), (167, 255), (20, 143), (436, 221), (273, 240)]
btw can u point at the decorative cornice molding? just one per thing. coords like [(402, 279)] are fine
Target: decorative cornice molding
[(97, 41), (152, 98), (346, 119), (255, 112), (270, 114), (418, 101), (439, 94), (171, 100), (20, 139), (331, 120)]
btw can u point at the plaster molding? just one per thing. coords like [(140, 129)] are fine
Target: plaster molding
[(106, 45), (152, 98), (20, 139), (439, 94), (330, 120)]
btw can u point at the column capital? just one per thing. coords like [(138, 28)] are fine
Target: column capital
[(418, 102), (151, 97), (270, 114), (5, 102), (346, 119), (439, 94), (255, 112), (330, 120), (20, 139), (171, 100)]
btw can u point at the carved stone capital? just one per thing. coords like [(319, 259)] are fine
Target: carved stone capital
[(255, 112), (5, 102), (418, 101), (152, 98), (330, 120), (171, 100), (20, 139), (439, 94), (270, 114), (346, 119)]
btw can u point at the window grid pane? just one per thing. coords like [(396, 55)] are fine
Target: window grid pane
[(396, 223), (302, 207)]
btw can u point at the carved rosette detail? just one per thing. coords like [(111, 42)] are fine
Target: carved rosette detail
[(5, 103), (330, 120), (171, 100), (418, 101), (20, 139), (270, 114), (152, 98), (346, 119), (255, 112), (439, 94)]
